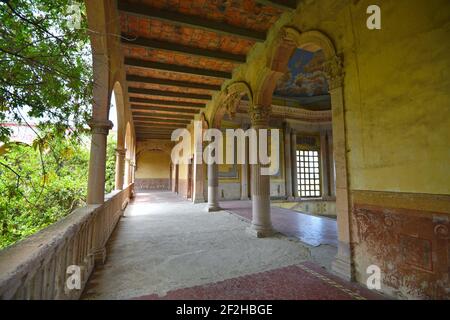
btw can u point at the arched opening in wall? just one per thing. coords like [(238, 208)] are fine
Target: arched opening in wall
[(326, 65), (110, 177), (303, 90), (128, 156), (234, 177)]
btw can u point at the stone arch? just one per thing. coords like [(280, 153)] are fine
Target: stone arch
[(154, 145), (118, 92), (230, 99), (284, 45), (288, 40)]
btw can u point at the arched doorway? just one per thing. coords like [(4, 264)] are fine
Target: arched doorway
[(288, 41)]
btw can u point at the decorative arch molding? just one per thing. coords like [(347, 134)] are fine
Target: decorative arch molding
[(153, 145), (289, 39), (230, 99), (118, 91)]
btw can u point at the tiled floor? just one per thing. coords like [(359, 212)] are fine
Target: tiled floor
[(307, 228)]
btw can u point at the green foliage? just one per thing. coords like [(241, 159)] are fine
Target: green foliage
[(42, 183), (110, 164), (45, 71)]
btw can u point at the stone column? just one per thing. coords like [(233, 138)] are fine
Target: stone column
[(288, 162), (261, 222), (332, 174), (342, 264), (127, 170), (244, 174), (198, 178), (324, 165), (97, 161), (120, 168), (213, 188), (197, 196), (295, 192)]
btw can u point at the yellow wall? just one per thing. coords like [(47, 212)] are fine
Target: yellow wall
[(396, 88), (399, 121), (153, 165)]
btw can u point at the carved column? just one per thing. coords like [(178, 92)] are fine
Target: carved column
[(120, 168), (213, 188), (127, 170), (261, 222), (288, 162), (324, 165), (97, 161), (294, 164), (342, 265), (331, 165), (244, 172), (198, 178)]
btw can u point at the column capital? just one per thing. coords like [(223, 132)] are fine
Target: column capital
[(259, 115), (334, 73), (121, 151), (100, 126)]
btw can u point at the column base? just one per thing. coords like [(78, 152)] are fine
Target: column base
[(99, 257), (245, 198), (342, 265), (199, 200), (259, 232), (213, 209), (290, 198)]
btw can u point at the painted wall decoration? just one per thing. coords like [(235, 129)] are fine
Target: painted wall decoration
[(305, 77)]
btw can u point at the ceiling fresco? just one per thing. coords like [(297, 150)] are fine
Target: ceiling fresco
[(304, 77)]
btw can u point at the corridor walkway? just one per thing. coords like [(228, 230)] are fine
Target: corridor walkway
[(312, 230), (166, 247)]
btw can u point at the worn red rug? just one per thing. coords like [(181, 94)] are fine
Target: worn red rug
[(306, 281)]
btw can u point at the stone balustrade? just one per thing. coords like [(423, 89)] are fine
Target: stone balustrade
[(36, 267)]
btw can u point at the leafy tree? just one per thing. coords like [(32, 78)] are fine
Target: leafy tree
[(41, 183), (45, 71), (110, 163), (46, 76)]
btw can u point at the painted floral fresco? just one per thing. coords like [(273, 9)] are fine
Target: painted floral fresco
[(305, 77)]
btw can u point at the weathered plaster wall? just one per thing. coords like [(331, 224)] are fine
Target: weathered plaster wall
[(398, 98), (397, 116)]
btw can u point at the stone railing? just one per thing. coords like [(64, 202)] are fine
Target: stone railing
[(37, 267)]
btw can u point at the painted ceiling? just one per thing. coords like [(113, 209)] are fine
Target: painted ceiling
[(304, 77)]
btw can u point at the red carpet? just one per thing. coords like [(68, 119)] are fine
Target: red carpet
[(300, 282)]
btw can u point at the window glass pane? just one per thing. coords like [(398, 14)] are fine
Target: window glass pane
[(308, 171)]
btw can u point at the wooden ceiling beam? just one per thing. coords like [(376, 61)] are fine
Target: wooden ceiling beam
[(146, 43), (160, 119), (156, 109), (145, 64), (174, 124), (174, 83), (167, 102), (191, 21), (172, 94), (162, 114), (285, 5)]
